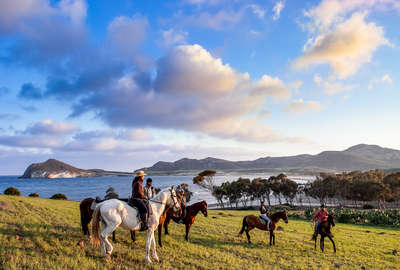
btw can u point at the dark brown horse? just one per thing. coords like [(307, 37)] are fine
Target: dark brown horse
[(250, 222), (325, 231), (86, 217), (188, 220)]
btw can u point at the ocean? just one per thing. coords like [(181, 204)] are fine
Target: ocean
[(77, 189)]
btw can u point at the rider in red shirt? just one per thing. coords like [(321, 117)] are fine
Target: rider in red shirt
[(321, 215)]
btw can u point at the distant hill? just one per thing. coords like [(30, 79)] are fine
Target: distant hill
[(358, 157), (53, 168)]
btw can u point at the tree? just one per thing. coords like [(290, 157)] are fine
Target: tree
[(288, 188), (393, 183)]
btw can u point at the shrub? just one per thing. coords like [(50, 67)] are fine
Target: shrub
[(12, 191), (59, 196), (34, 195), (368, 206)]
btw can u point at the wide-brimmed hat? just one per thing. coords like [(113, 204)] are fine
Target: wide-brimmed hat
[(141, 173)]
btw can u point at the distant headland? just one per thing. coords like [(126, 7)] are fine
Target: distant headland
[(53, 168)]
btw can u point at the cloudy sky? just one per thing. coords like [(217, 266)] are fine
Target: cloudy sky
[(123, 84)]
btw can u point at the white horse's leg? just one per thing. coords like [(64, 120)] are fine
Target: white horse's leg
[(102, 244), (148, 243), (108, 229), (153, 248)]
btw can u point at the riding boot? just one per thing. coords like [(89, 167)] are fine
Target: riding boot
[(143, 225)]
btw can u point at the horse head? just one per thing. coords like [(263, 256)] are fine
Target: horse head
[(284, 216), (173, 200), (203, 208), (331, 220)]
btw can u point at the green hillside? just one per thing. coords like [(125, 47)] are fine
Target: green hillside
[(43, 234)]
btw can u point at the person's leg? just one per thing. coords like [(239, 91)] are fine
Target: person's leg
[(316, 230), (143, 215)]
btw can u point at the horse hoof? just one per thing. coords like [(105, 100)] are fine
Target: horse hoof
[(107, 257)]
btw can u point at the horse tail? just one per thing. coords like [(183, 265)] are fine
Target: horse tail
[(243, 226), (96, 226)]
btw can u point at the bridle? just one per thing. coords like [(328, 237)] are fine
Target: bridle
[(172, 196)]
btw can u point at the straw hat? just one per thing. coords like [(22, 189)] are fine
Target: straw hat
[(141, 173)]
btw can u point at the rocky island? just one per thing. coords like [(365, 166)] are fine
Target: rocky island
[(53, 168)]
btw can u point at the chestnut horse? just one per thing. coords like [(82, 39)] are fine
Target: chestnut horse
[(87, 214), (325, 231), (188, 220), (250, 222)]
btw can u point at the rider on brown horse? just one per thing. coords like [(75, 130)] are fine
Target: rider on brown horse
[(321, 215), (138, 197), (264, 213)]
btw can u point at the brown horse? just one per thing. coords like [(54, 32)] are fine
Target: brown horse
[(188, 220), (86, 217), (250, 222), (325, 231)]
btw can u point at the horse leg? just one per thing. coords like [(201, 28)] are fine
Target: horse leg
[(106, 245), (133, 236), (167, 220), (148, 243), (113, 237), (333, 243), (247, 234), (321, 243), (273, 237), (153, 248), (160, 227), (315, 242), (187, 232)]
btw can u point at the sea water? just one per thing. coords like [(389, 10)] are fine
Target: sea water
[(78, 189)]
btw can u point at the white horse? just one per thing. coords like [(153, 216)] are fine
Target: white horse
[(113, 213)]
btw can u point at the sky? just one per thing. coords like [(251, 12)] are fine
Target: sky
[(120, 85)]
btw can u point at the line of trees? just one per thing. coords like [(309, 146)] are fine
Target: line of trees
[(354, 188)]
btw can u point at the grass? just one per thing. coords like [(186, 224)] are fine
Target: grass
[(40, 233)]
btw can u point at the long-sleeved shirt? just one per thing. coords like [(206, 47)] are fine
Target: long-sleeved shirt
[(137, 190), (321, 216), (263, 210)]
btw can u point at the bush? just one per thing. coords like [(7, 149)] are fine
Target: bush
[(12, 191), (34, 195), (368, 206), (59, 196)]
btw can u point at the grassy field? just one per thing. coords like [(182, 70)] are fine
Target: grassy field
[(43, 234)]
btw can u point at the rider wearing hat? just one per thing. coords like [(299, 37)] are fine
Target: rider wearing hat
[(264, 212), (321, 215), (138, 197)]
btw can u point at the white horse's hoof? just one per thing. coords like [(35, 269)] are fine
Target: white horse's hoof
[(107, 257), (148, 260)]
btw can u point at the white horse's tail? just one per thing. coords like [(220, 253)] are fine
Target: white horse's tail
[(96, 226)]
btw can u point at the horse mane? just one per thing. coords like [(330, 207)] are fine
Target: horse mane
[(277, 214)]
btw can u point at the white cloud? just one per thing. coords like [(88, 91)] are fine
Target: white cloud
[(296, 85), (16, 15), (385, 79), (277, 10), (137, 134), (298, 107), (347, 47), (173, 37), (271, 86), (332, 87), (50, 127), (257, 10), (219, 20), (331, 12), (195, 92), (127, 33)]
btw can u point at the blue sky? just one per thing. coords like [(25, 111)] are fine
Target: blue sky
[(123, 84)]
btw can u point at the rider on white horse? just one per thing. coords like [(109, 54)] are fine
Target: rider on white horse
[(138, 197)]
